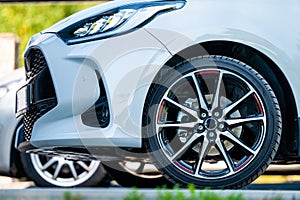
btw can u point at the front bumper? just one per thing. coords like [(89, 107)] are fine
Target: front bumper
[(75, 71)]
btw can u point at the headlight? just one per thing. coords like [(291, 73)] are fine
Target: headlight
[(116, 21), (105, 23)]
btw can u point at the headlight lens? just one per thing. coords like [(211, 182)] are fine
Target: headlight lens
[(105, 23), (116, 21)]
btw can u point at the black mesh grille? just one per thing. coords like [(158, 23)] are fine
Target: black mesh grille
[(37, 69), (34, 113), (29, 119), (35, 62)]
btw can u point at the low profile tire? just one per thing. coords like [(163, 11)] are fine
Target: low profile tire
[(58, 172), (211, 121), (135, 174)]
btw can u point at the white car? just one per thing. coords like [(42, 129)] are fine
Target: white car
[(207, 91), (43, 170)]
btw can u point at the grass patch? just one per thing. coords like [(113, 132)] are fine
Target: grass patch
[(134, 195), (69, 196), (25, 20), (178, 194)]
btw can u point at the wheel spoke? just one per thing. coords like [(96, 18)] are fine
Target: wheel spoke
[(49, 163), (233, 105), (216, 100), (73, 170), (186, 109), (57, 170), (185, 147), (237, 141), (178, 124), (140, 169), (201, 98), (239, 121), (204, 149), (84, 166), (226, 156)]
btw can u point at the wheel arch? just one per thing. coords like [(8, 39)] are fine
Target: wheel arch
[(289, 145)]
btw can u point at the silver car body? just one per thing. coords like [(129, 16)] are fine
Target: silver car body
[(8, 122)]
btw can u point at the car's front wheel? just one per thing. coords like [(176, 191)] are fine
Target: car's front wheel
[(212, 121)]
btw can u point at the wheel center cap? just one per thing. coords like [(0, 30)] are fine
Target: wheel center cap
[(211, 124)]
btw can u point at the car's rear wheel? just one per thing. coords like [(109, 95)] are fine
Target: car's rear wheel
[(135, 174), (215, 122), (58, 172)]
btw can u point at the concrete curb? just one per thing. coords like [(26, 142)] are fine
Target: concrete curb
[(120, 193)]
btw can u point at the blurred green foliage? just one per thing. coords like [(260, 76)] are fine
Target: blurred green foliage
[(178, 194), (25, 20)]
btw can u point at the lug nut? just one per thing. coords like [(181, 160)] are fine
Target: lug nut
[(221, 126), (201, 127), (217, 114), (203, 115)]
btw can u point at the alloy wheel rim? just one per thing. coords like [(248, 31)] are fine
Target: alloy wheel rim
[(141, 169), (206, 132), (61, 172)]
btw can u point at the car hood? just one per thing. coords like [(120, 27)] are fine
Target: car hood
[(91, 12)]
